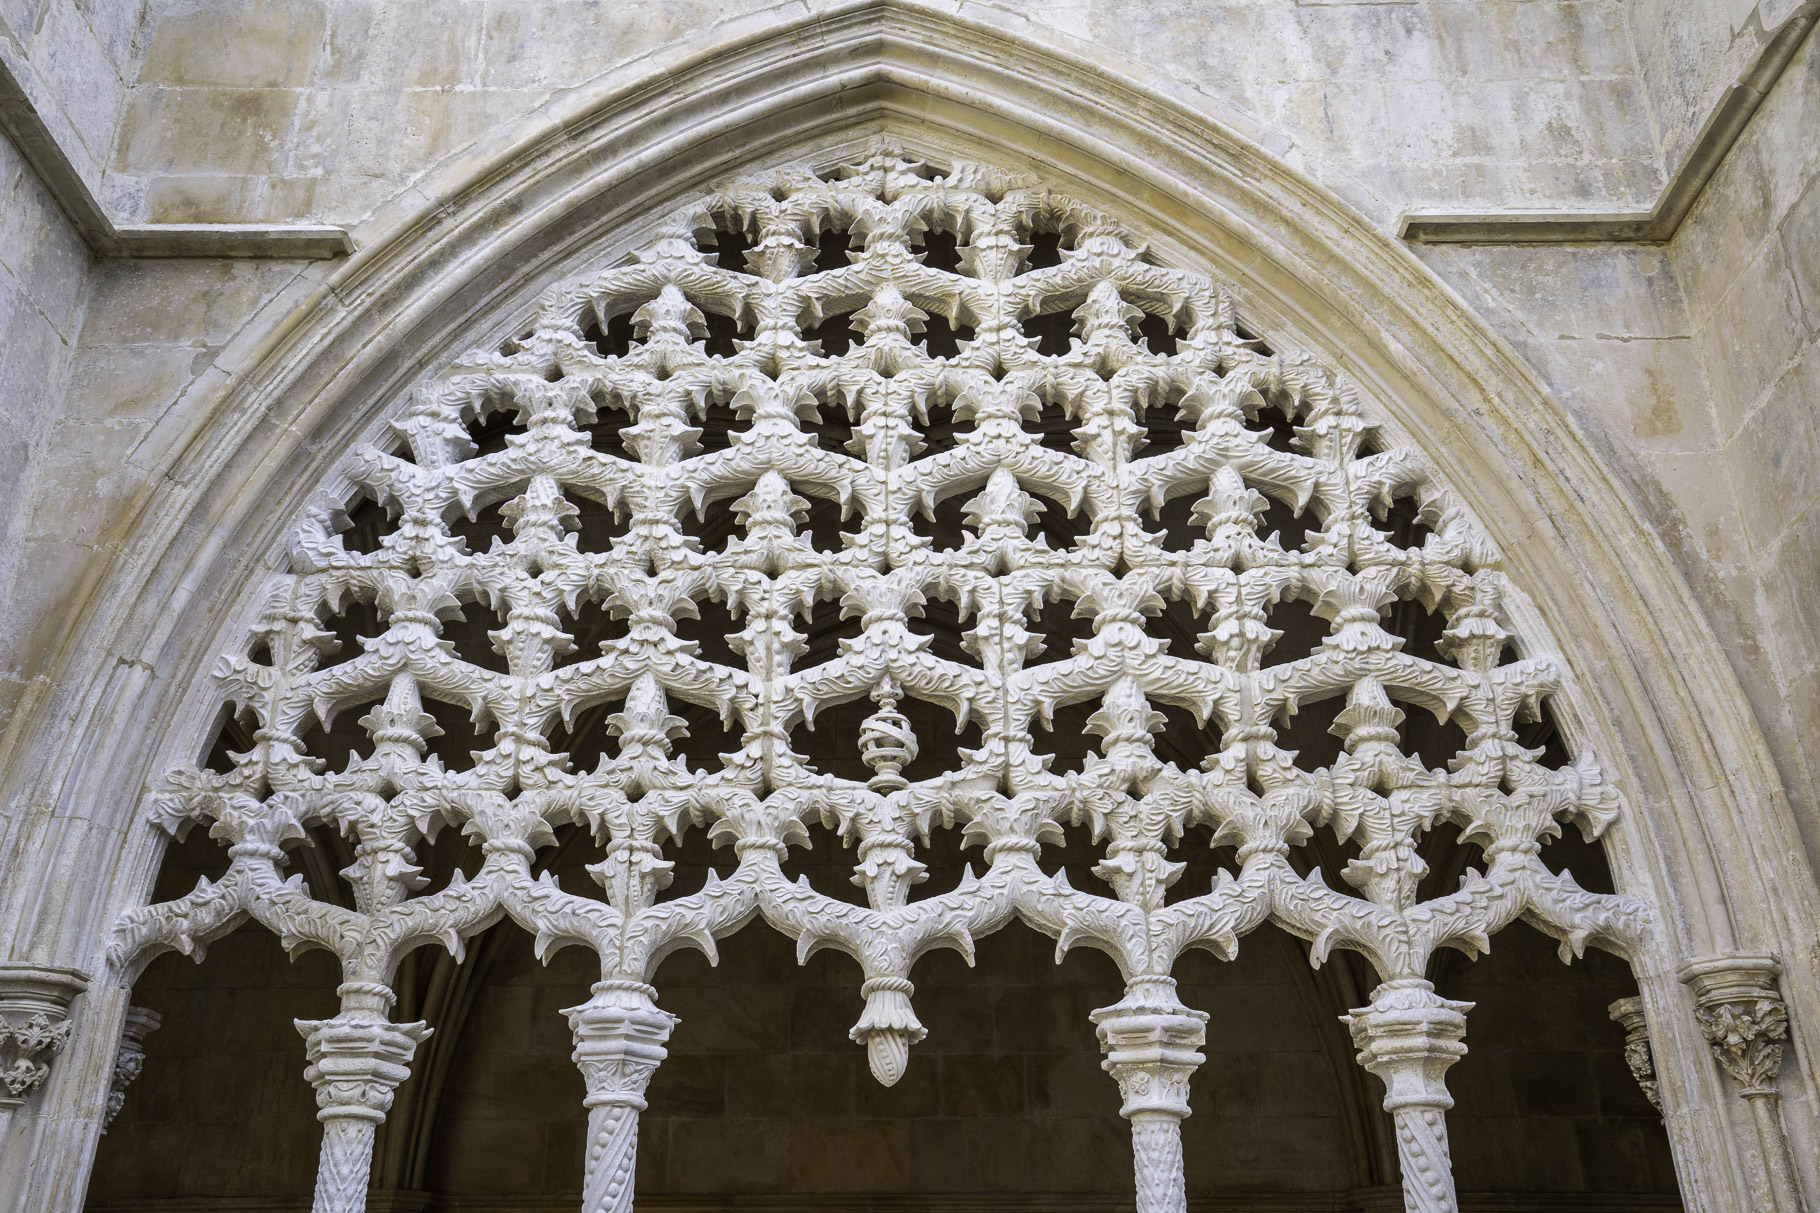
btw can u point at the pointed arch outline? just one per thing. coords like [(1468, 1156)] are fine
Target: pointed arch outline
[(1709, 840)]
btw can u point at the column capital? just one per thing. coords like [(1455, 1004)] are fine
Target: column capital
[(356, 1061), (619, 1041), (1627, 1013), (1740, 1012), (140, 1022), (1151, 1043), (1409, 1037), (34, 1024)]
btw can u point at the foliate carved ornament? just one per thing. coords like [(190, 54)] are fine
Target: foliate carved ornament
[(140, 1023), (1628, 1013), (868, 339), (1741, 1013), (34, 1027)]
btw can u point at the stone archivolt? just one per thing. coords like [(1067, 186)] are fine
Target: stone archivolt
[(954, 300)]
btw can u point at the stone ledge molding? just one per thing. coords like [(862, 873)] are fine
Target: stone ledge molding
[(1721, 131), (22, 120), (306, 381)]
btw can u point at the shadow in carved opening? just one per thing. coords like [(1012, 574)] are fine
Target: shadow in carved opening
[(764, 1100)]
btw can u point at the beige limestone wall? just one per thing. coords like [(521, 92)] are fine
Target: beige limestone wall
[(74, 61), (1692, 365), (43, 270), (277, 111)]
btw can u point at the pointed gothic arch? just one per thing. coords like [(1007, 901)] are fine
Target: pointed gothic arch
[(301, 389)]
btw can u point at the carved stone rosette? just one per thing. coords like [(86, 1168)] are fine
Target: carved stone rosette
[(140, 1023), (1741, 1014), (619, 1043), (356, 1061), (1151, 1042), (34, 1027), (1628, 1013), (1409, 1037)]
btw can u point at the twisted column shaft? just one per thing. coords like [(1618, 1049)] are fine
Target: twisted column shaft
[(619, 1043), (356, 1061), (1150, 1040), (1408, 1037)]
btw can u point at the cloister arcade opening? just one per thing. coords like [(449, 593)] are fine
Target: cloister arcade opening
[(900, 554)]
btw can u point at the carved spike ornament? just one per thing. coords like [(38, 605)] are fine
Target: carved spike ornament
[(885, 341)]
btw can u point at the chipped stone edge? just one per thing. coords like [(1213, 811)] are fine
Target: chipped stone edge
[(1659, 224)]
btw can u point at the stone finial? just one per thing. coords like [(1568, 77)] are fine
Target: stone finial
[(1628, 1013)]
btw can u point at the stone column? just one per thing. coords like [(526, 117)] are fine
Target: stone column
[(1151, 1040), (140, 1023), (619, 1043), (1409, 1036), (1628, 1012), (34, 1025), (1743, 1018), (356, 1061)]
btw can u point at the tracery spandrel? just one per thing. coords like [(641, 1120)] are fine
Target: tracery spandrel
[(946, 328)]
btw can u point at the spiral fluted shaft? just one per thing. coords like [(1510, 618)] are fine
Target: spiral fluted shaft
[(1408, 1037), (1426, 1162), (612, 1157), (619, 1039)]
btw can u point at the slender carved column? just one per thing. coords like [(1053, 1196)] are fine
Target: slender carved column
[(619, 1043), (1743, 1018), (140, 1023), (356, 1061), (1628, 1012), (34, 1014), (1150, 1040), (1408, 1037)]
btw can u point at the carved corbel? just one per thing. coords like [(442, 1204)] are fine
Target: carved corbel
[(1628, 1014), (140, 1023), (34, 1027), (1151, 1042), (356, 1061), (619, 1043), (1409, 1037), (1741, 1013)]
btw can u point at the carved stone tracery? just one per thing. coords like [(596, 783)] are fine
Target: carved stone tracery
[(953, 298)]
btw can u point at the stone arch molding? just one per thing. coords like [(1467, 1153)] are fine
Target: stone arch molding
[(567, 369), (307, 387)]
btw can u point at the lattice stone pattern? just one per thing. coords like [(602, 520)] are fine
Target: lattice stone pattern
[(919, 343)]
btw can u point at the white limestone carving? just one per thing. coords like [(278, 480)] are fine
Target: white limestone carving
[(140, 1023), (1124, 310), (1741, 1014), (1638, 1056), (34, 1026)]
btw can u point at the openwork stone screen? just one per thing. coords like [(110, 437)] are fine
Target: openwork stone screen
[(919, 391)]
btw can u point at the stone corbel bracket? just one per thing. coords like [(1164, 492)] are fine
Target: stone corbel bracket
[(1741, 1013), (1628, 1014), (34, 1026), (1658, 224)]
